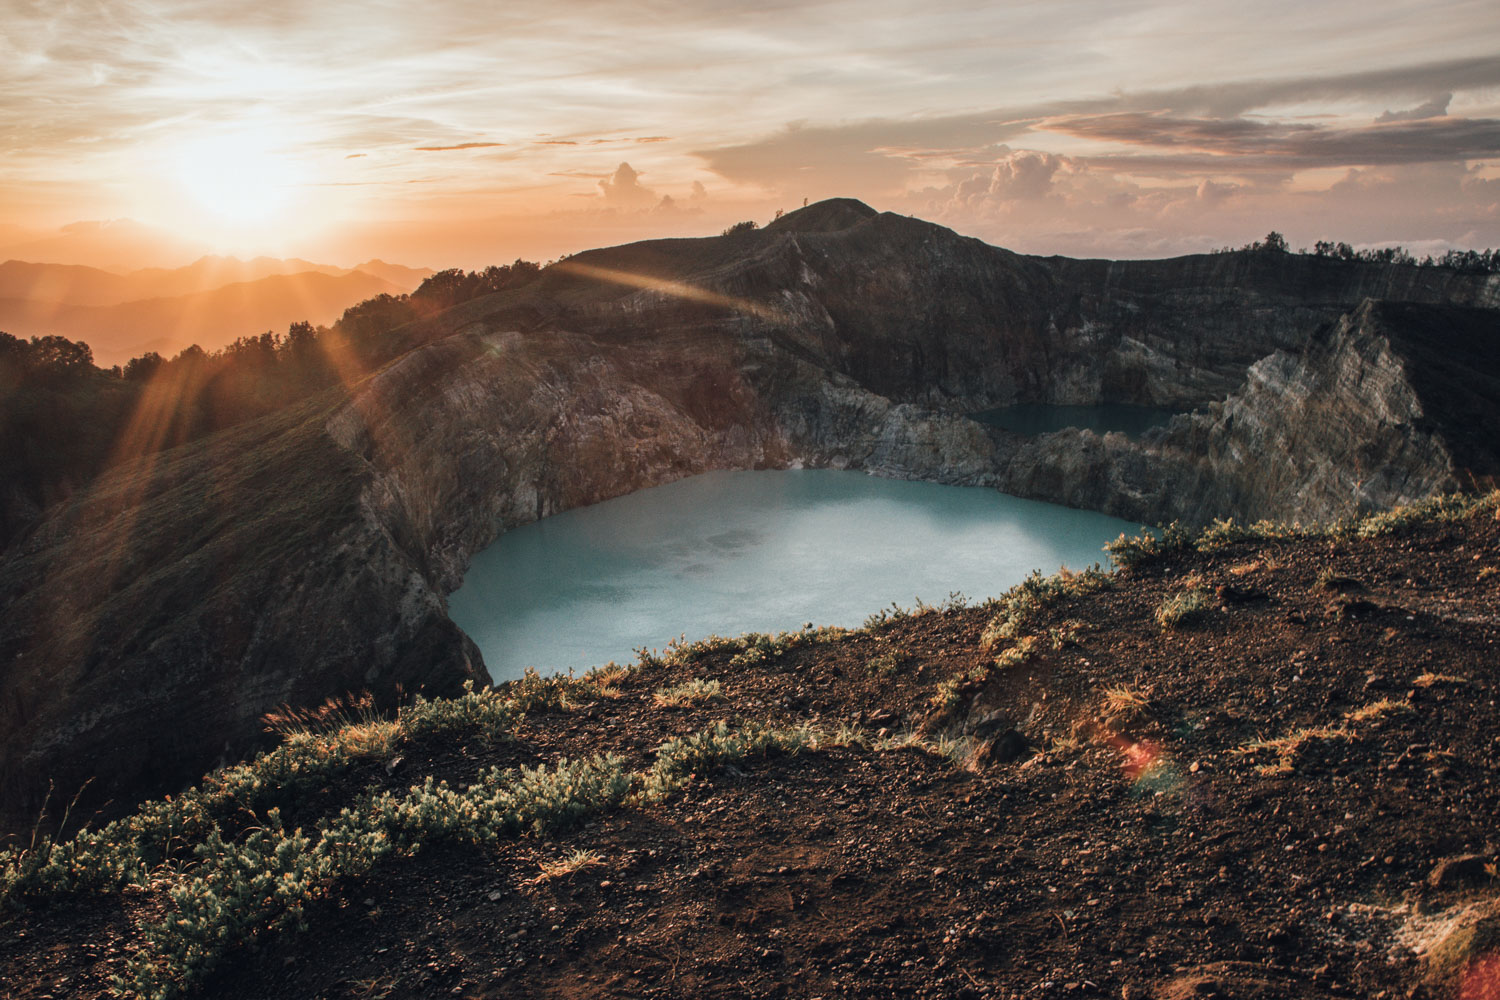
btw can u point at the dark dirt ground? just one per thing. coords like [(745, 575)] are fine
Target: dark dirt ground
[(1135, 848)]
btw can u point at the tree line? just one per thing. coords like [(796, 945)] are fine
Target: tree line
[(1466, 261), (62, 417)]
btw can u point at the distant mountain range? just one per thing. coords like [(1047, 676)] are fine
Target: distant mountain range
[(209, 302)]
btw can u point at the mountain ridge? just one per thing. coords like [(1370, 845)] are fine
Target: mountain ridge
[(210, 319), (864, 346)]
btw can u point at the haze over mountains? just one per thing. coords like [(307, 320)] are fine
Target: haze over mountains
[(209, 302)]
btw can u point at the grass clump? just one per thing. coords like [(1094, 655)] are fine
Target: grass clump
[(263, 882), (606, 681), (1288, 747), (1450, 507), (1183, 609), (573, 861), (1224, 532), (694, 692), (1430, 679), (759, 647), (1378, 710), (1020, 608), (1124, 701), (888, 663), (955, 601), (1129, 551)]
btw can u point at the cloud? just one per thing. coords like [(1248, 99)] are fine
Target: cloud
[(1435, 108), (1237, 97), (624, 189), (886, 154), (461, 145), (1214, 193), (836, 159), (1251, 144), (1024, 175)]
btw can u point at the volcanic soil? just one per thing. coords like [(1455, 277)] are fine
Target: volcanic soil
[(1292, 795)]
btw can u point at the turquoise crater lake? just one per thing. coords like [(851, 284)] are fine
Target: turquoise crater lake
[(733, 552)]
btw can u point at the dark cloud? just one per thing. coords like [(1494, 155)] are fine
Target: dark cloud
[(1237, 97), (1435, 108), (1204, 122), (461, 145), (1226, 145)]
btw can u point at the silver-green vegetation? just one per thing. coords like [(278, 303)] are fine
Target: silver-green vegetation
[(1129, 551)]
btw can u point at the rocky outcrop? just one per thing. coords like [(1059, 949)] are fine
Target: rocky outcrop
[(150, 622), (1390, 404)]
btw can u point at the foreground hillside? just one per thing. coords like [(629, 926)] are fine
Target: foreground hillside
[(1254, 763)]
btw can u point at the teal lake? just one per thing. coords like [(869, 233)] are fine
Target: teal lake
[(733, 552), (1032, 419)]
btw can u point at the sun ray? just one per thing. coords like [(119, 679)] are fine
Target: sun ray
[(675, 289)]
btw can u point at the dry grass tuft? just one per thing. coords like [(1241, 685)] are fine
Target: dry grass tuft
[(569, 863), (1377, 710), (694, 692), (1289, 746), (608, 680), (1428, 680), (1120, 700), (1182, 609)]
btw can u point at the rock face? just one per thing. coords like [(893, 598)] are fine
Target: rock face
[(149, 624), (1392, 403)]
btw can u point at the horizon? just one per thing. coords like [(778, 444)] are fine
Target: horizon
[(341, 134)]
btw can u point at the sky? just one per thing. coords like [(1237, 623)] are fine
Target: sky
[(455, 133)]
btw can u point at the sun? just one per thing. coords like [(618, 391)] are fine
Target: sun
[(240, 179)]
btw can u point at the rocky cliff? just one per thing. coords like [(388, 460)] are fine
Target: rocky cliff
[(1391, 403), (151, 622)]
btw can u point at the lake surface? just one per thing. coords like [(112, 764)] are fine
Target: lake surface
[(1032, 419), (733, 552)]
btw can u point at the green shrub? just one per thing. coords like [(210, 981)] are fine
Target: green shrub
[(1130, 551), (714, 746), (488, 711)]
